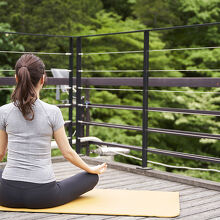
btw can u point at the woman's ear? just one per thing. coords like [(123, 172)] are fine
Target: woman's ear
[(16, 78), (42, 79)]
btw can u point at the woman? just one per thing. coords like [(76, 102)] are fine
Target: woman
[(26, 127)]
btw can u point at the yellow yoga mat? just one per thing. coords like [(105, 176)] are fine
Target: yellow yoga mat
[(118, 202)]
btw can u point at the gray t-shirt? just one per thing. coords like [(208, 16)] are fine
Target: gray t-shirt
[(29, 142)]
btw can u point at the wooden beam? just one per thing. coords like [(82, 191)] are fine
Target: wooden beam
[(129, 81)]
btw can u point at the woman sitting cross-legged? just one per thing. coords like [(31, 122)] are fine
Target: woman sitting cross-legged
[(27, 125)]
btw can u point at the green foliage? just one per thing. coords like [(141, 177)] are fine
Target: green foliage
[(157, 13), (7, 43), (7, 61), (121, 7), (71, 17), (56, 152)]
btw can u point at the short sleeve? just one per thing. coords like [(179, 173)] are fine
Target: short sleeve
[(2, 120), (58, 121)]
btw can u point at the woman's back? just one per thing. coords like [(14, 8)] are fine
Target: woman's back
[(26, 128), (29, 142)]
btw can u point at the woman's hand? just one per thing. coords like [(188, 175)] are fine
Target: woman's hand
[(98, 169), (72, 156)]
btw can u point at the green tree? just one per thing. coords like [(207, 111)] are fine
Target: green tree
[(157, 13), (122, 7), (7, 61), (71, 17)]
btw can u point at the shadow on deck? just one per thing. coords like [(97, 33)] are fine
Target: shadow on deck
[(199, 199)]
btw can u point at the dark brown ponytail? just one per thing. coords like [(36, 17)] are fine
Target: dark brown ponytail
[(29, 70)]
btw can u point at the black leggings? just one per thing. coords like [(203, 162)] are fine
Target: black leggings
[(18, 194)]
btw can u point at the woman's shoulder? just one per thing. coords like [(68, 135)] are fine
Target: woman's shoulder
[(6, 107), (49, 107), (5, 110)]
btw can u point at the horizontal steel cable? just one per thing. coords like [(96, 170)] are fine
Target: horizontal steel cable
[(25, 52), (3, 70), (42, 88), (141, 51), (121, 71), (133, 90), (163, 164), (33, 34), (115, 33), (115, 52)]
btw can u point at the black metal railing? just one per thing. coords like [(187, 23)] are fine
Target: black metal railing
[(83, 119)]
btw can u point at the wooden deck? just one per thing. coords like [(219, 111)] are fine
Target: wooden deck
[(196, 202)]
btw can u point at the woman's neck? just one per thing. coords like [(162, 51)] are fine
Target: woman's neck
[(37, 92)]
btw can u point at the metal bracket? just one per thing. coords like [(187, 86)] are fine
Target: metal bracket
[(87, 103), (144, 168)]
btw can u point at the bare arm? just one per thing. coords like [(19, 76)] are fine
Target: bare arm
[(71, 155), (3, 144)]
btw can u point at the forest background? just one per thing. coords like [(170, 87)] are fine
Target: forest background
[(83, 17)]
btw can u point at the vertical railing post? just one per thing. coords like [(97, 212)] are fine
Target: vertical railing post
[(70, 130), (87, 119), (145, 100), (78, 93), (82, 116)]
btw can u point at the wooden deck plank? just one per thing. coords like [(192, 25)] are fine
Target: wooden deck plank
[(204, 211), (97, 217), (125, 185), (196, 195), (65, 173), (131, 175), (33, 216), (66, 169), (190, 191), (200, 201), (63, 165), (7, 215), (162, 186), (126, 218), (147, 184), (105, 176), (215, 218), (175, 188), (155, 218), (63, 217), (23, 215), (118, 184), (117, 180)]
